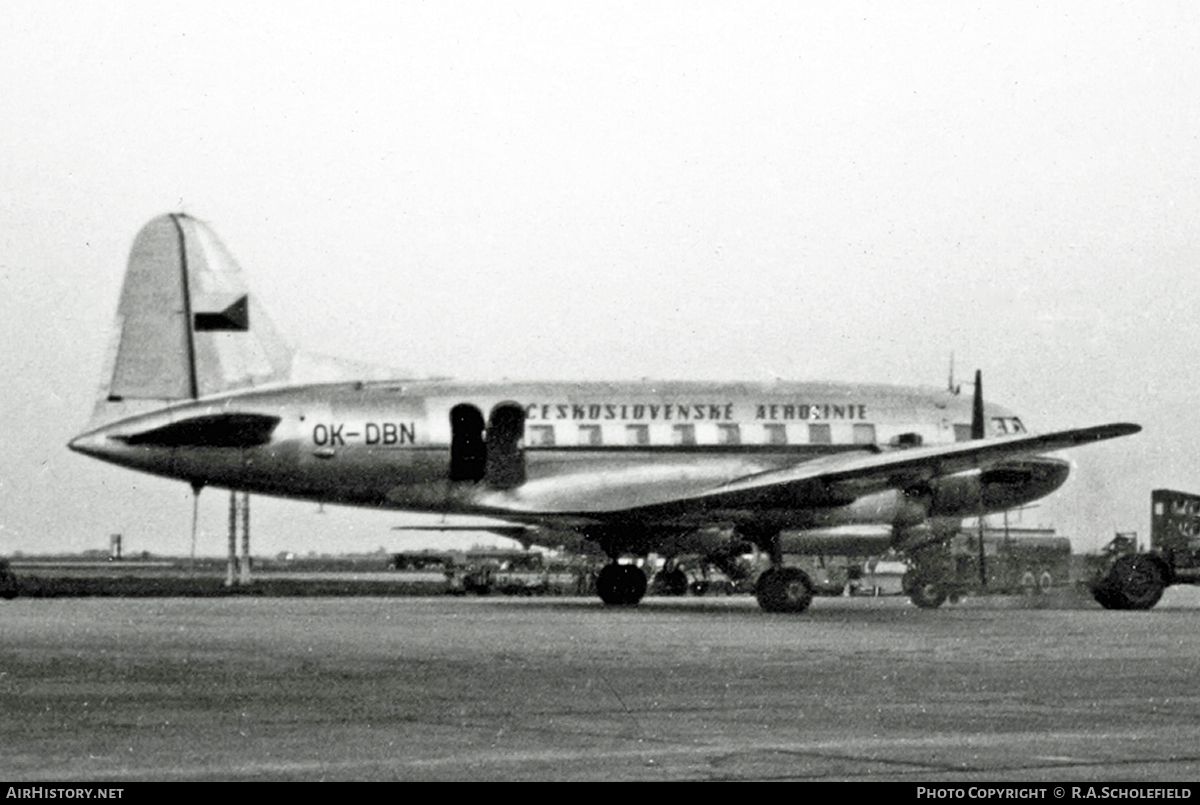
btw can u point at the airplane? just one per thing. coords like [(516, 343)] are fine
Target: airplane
[(198, 386)]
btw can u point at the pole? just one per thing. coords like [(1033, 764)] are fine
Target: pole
[(982, 558), (245, 568), (231, 564), (195, 518)]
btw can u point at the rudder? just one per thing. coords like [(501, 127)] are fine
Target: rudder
[(187, 326)]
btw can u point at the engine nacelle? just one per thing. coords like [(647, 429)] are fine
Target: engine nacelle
[(1004, 486)]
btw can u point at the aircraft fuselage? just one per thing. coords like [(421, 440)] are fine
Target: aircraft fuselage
[(580, 451)]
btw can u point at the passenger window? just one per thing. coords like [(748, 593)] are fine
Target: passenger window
[(683, 434), (541, 435), (729, 434), (637, 435), (776, 434), (819, 434), (589, 435)]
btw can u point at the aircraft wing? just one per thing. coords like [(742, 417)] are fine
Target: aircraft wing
[(688, 488), (854, 474)]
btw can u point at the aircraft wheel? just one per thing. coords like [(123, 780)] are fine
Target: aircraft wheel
[(927, 594), (784, 589), (1138, 580), (672, 582), (621, 585)]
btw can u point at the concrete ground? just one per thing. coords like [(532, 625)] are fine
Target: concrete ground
[(252, 688)]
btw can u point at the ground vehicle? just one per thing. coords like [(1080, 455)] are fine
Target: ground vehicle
[(1022, 561), (8, 582), (1127, 579), (422, 560), (510, 572)]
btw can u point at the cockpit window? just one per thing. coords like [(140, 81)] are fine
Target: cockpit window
[(1007, 425)]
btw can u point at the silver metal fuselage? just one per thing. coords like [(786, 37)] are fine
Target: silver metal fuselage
[(591, 451)]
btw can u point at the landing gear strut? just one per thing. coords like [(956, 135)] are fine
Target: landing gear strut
[(779, 588), (621, 585), (925, 583)]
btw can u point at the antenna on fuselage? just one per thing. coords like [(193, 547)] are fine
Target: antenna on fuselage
[(951, 386)]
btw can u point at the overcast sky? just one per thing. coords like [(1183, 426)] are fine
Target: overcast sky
[(604, 191)]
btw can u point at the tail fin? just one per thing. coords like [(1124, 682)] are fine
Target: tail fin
[(187, 326)]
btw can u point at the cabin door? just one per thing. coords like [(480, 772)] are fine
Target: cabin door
[(505, 466), (468, 452)]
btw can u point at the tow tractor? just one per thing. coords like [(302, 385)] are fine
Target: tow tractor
[(1129, 579)]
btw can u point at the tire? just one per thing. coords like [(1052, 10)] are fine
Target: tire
[(672, 582), (1137, 580), (1107, 598), (927, 594), (621, 585), (784, 589)]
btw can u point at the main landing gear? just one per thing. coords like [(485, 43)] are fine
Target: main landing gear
[(784, 589), (621, 585), (779, 588)]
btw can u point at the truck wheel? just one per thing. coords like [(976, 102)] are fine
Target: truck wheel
[(927, 594), (1138, 580), (1108, 599)]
